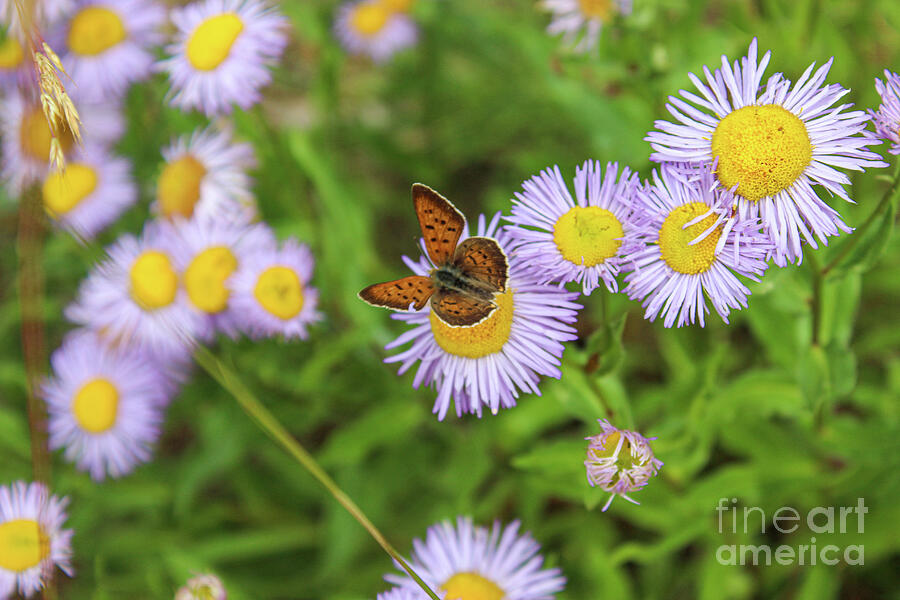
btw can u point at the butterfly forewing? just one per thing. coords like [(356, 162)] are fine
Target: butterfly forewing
[(441, 223), (458, 310), (399, 294), (482, 258)]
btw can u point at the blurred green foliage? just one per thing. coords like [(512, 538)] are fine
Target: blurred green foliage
[(764, 410)]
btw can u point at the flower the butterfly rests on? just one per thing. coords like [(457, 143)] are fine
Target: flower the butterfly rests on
[(466, 277)]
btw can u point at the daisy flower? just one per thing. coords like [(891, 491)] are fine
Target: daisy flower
[(109, 46), (887, 119), (401, 594), (489, 363), (91, 193), (374, 28), (580, 21), (15, 64), (468, 562), (32, 540), (620, 461), (694, 248), (26, 137), (44, 13), (206, 253), (202, 587), (271, 292), (105, 405), (134, 297), (205, 175), (775, 143), (222, 53), (584, 240)]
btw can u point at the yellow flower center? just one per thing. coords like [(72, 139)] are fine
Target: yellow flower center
[(95, 30), (64, 190), (675, 240), (596, 9), (588, 235), (280, 293), (178, 189), (369, 18), (211, 41), (481, 339), (204, 279), (153, 280), (95, 405), (34, 135), (23, 545), (11, 53), (764, 149), (471, 586)]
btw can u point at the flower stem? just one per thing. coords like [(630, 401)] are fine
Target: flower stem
[(275, 430), (854, 239)]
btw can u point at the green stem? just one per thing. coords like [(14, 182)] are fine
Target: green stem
[(850, 244), (275, 430), (818, 275)]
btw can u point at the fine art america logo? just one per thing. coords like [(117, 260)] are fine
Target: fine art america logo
[(786, 520)]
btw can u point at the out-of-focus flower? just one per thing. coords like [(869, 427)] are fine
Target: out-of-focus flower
[(774, 143), (620, 461), (374, 28), (32, 538), (581, 21), (15, 64), (109, 46), (105, 404), (222, 53), (271, 292), (584, 240), (44, 14), (205, 176), (489, 363), (134, 297), (468, 562), (91, 193), (694, 247), (207, 253), (202, 587), (887, 118)]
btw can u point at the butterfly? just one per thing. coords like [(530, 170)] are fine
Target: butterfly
[(466, 276)]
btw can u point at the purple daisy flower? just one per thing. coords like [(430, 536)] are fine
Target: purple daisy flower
[(91, 193), (581, 21), (774, 143), (134, 297), (271, 292), (887, 118), (487, 364), (202, 587), (374, 28), (694, 248), (473, 562), (15, 65), (620, 461), (205, 176), (222, 53), (402, 594), (44, 14), (105, 405), (32, 538), (108, 46), (584, 240), (206, 254)]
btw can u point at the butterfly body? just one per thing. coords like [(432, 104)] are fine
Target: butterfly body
[(466, 277)]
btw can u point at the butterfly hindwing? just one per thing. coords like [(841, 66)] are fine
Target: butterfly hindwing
[(399, 294), (458, 310), (442, 224), (482, 258)]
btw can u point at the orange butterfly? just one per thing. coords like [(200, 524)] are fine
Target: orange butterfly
[(465, 278)]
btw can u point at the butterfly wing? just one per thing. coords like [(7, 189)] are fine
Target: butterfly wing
[(399, 294), (482, 258), (441, 223), (458, 310)]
